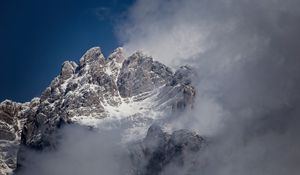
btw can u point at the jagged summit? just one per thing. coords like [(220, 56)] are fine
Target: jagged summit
[(96, 92), (118, 55), (92, 55)]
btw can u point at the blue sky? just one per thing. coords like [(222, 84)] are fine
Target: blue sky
[(37, 36)]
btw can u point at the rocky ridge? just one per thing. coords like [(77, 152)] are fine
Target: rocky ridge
[(94, 92)]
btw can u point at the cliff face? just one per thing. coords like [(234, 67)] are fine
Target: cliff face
[(136, 89), (12, 118)]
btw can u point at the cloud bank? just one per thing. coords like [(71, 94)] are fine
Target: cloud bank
[(246, 54), (80, 151)]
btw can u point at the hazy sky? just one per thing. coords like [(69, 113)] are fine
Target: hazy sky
[(37, 36)]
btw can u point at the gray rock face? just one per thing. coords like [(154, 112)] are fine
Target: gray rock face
[(158, 149), (140, 73), (12, 118), (68, 69), (94, 89), (92, 55)]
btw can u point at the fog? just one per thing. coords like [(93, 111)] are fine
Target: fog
[(246, 55), (79, 151)]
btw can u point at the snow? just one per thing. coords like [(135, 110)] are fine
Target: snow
[(86, 120), (108, 70), (134, 112)]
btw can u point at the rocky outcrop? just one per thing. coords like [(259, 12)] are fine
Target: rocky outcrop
[(12, 118), (68, 69), (159, 149), (96, 88), (140, 73)]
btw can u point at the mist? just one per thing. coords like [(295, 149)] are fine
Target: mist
[(79, 151), (246, 55)]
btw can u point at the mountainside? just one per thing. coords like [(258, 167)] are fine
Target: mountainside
[(159, 149), (96, 92), (12, 118)]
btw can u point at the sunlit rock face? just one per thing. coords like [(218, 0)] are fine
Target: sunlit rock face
[(12, 118), (96, 92)]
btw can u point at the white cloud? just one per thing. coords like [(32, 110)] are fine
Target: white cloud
[(246, 54)]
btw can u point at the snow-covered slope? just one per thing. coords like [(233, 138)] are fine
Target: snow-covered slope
[(97, 92)]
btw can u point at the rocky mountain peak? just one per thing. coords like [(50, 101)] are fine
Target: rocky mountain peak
[(118, 55), (139, 73), (68, 69), (135, 90), (92, 55)]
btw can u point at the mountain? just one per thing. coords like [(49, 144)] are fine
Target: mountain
[(96, 92)]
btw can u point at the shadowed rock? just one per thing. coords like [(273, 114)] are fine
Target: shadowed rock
[(158, 149)]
